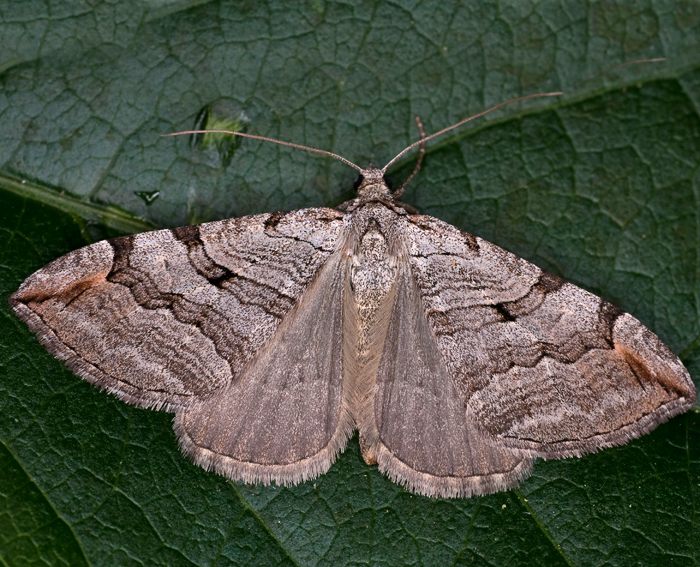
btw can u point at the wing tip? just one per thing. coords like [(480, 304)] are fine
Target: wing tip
[(645, 352)]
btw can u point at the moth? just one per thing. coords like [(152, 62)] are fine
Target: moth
[(273, 337)]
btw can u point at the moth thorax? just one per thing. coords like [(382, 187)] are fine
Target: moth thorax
[(372, 277)]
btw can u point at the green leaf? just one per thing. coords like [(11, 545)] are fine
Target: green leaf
[(601, 186)]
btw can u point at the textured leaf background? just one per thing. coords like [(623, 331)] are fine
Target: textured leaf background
[(601, 186)]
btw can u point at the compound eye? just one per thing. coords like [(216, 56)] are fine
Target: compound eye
[(358, 182)]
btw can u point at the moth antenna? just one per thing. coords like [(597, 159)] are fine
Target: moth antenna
[(416, 168), (310, 149), (423, 141)]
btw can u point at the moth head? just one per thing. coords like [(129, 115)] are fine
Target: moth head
[(372, 185)]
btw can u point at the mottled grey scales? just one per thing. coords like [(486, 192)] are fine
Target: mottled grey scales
[(274, 337)]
